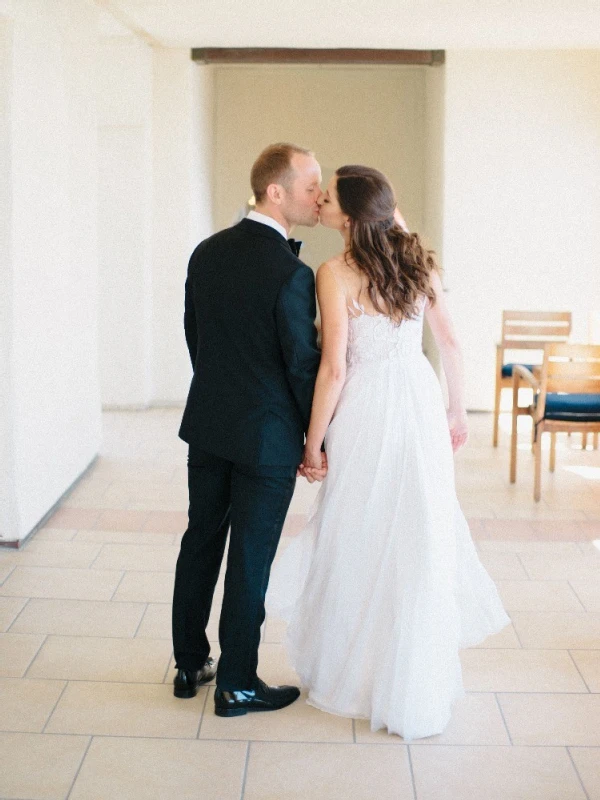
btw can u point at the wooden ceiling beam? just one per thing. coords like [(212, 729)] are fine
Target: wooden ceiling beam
[(288, 55)]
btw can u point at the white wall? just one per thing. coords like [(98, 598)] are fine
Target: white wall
[(155, 206), (51, 400), (182, 206), (521, 194), (125, 208)]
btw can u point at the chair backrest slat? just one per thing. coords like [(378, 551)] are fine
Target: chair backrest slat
[(531, 329)]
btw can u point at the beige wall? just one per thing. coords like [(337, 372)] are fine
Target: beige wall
[(374, 116)]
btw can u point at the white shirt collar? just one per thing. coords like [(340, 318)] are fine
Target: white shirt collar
[(256, 216)]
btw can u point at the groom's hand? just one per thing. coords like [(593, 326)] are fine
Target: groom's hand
[(314, 466)]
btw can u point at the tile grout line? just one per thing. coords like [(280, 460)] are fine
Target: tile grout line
[(167, 669), (245, 773), (79, 767), (97, 556), (201, 720), (54, 707), (579, 671), (139, 625), (574, 590), (18, 615), (568, 749), (6, 577), (412, 772), (117, 586), (44, 640), (503, 719)]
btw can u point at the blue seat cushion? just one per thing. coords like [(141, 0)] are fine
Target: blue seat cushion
[(507, 369), (573, 407)]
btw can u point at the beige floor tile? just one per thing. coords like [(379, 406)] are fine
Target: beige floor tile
[(126, 537), (126, 709), (587, 761), (296, 723), (552, 719), (56, 760), (529, 546), (80, 618), (54, 535), (9, 610), (146, 769), (274, 630), (538, 596), (146, 587), (71, 555), (588, 662), (546, 567), (83, 658), (73, 518), (494, 773), (589, 593), (69, 584), (6, 566), (558, 629), (274, 667), (156, 623), (138, 557), (166, 521), (476, 719), (503, 639), (327, 772), (17, 651), (503, 566), (25, 705), (119, 520), (520, 671)]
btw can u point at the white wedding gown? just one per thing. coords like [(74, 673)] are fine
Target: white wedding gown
[(384, 586)]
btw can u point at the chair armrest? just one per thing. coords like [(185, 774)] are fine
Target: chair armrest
[(521, 373)]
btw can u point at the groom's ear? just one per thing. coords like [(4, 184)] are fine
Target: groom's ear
[(275, 193)]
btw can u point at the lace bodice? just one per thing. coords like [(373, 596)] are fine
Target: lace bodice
[(375, 337)]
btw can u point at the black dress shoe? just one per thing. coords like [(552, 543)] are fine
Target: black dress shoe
[(259, 698), (187, 681)]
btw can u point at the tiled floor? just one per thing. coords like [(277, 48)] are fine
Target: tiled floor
[(86, 706)]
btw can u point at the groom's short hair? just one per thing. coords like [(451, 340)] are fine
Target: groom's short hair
[(274, 166)]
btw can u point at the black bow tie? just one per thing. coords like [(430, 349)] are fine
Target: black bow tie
[(294, 246)]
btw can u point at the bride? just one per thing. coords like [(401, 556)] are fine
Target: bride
[(383, 586)]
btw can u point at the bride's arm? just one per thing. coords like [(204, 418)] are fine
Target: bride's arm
[(441, 326), (332, 370)]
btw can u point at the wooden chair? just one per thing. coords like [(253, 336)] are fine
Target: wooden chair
[(525, 330), (566, 399)]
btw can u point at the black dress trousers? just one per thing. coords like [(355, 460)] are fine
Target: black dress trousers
[(252, 501)]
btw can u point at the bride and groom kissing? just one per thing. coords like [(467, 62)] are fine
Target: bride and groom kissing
[(383, 586)]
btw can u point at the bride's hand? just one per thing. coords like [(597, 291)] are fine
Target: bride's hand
[(459, 428)]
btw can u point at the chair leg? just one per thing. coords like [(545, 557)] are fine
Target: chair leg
[(498, 395), (552, 451), (513, 446), (537, 481), (596, 440), (532, 436)]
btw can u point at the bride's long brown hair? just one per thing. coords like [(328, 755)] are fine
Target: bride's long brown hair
[(397, 265)]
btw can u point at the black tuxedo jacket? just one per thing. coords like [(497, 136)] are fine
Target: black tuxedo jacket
[(250, 328)]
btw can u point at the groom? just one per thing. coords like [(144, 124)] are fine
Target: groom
[(249, 325)]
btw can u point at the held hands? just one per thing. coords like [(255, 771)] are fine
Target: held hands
[(459, 433), (313, 466)]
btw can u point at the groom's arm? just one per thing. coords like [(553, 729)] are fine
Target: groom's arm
[(189, 320), (295, 316)]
